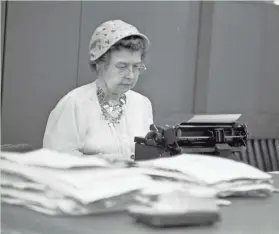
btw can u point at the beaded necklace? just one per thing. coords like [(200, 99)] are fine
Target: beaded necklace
[(111, 112)]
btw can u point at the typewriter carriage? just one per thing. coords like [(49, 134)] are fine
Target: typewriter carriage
[(220, 139)]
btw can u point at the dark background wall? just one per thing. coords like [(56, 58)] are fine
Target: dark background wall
[(3, 24), (244, 64), (41, 63), (220, 57)]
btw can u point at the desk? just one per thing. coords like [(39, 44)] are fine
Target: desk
[(244, 216)]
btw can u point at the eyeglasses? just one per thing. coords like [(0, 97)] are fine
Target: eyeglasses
[(125, 67)]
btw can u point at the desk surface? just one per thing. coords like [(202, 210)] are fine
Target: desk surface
[(245, 215)]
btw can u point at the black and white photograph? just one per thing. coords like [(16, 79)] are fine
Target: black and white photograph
[(134, 117)]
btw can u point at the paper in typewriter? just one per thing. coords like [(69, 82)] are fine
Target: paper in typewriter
[(219, 118)]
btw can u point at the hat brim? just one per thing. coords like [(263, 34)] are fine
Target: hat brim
[(144, 37)]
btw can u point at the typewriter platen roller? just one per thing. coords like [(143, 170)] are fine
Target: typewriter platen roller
[(218, 135)]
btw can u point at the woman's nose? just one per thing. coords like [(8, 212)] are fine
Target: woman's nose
[(130, 73)]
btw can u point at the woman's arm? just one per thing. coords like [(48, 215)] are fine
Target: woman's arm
[(148, 113), (62, 130)]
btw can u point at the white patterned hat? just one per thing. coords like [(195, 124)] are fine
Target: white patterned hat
[(109, 33)]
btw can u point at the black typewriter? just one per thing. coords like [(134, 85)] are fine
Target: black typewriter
[(218, 135)]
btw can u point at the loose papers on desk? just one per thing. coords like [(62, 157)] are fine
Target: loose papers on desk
[(58, 189), (56, 183), (228, 177)]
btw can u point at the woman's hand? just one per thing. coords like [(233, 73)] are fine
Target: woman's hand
[(111, 157), (87, 151)]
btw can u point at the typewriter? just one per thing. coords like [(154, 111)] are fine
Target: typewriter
[(217, 135)]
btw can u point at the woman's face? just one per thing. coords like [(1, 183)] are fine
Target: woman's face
[(123, 70)]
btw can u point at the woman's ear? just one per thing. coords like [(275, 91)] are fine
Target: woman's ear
[(93, 67), (100, 68), (97, 67)]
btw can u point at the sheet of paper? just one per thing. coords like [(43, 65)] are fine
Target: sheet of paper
[(274, 172), (36, 207), (218, 118)]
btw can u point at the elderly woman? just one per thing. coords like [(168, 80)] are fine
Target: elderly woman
[(103, 117)]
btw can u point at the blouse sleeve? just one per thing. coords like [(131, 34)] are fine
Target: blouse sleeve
[(148, 114), (62, 130)]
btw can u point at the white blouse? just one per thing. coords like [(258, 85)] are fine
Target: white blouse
[(76, 125)]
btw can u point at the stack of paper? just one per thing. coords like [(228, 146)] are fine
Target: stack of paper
[(56, 183), (228, 177)]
